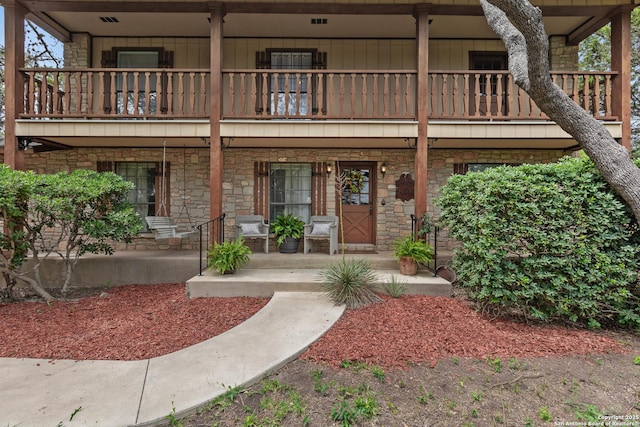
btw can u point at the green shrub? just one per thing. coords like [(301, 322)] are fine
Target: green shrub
[(351, 282), (549, 241), (229, 256)]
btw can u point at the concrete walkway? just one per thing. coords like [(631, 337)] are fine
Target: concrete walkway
[(39, 392)]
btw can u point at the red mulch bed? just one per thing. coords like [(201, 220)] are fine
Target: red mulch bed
[(139, 322), (128, 323), (415, 329)]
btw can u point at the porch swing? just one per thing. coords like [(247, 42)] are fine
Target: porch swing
[(162, 225)]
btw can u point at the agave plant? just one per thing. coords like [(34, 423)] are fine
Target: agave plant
[(350, 282)]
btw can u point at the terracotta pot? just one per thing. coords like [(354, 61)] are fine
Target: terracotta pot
[(408, 266)]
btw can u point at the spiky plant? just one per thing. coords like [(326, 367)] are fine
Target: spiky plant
[(350, 282), (395, 287)]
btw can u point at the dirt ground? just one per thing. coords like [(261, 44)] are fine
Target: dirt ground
[(560, 391)]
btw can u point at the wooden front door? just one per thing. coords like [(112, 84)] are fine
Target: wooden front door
[(358, 207)]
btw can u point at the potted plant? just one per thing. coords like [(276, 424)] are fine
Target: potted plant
[(288, 229), (411, 252), (228, 256)]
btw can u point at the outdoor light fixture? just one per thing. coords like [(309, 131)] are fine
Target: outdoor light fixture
[(383, 169), (329, 169)]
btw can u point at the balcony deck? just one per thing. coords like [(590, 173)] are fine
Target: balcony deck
[(356, 95)]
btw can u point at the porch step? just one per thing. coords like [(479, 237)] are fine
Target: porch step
[(264, 282), (378, 260)]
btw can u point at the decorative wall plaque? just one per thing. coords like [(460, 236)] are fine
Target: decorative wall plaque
[(404, 187)]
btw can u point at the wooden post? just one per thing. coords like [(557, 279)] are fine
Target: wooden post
[(621, 62), (215, 150), (14, 14), (422, 37)]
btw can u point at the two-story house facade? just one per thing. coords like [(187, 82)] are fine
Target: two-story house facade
[(240, 107)]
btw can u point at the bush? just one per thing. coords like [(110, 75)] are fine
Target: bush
[(550, 241), (64, 214), (351, 282)]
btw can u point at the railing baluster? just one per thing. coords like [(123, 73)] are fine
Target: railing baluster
[(352, 113), (67, 90), (232, 90), (385, 94), (456, 101), (585, 93), (444, 94), (331, 89), (321, 96), (396, 103), (276, 94), (42, 104), (596, 96), (310, 95), (363, 96), (32, 94), (170, 108), (375, 94), (466, 97), (607, 95), (181, 93), (192, 93), (265, 94), (147, 94), (434, 96), (499, 108), (407, 96), (341, 99), (203, 93), (89, 109)]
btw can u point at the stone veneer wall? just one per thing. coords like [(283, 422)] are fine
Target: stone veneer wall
[(195, 193), (563, 57), (393, 218), (393, 215)]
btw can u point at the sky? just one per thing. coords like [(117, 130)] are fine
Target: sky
[(2, 24)]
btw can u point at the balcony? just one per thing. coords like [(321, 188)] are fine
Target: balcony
[(166, 94)]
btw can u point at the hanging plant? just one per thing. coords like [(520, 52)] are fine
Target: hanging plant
[(353, 181)]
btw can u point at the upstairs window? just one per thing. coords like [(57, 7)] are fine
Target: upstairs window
[(283, 86)]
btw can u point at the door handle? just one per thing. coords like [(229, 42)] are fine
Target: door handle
[(371, 210)]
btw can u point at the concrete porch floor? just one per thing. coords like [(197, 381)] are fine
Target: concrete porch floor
[(276, 272), (264, 275)]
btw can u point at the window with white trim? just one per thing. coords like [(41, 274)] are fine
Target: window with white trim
[(290, 190)]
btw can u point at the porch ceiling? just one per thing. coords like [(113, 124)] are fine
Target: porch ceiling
[(446, 22)]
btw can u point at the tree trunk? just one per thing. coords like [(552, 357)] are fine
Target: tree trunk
[(519, 24), (36, 287)]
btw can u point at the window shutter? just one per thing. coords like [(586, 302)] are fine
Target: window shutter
[(319, 180), (104, 166), (261, 189), (165, 59), (460, 168)]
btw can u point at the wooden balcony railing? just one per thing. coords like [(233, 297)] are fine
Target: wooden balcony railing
[(298, 94), (116, 93)]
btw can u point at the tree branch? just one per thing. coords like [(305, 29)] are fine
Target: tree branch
[(611, 159)]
